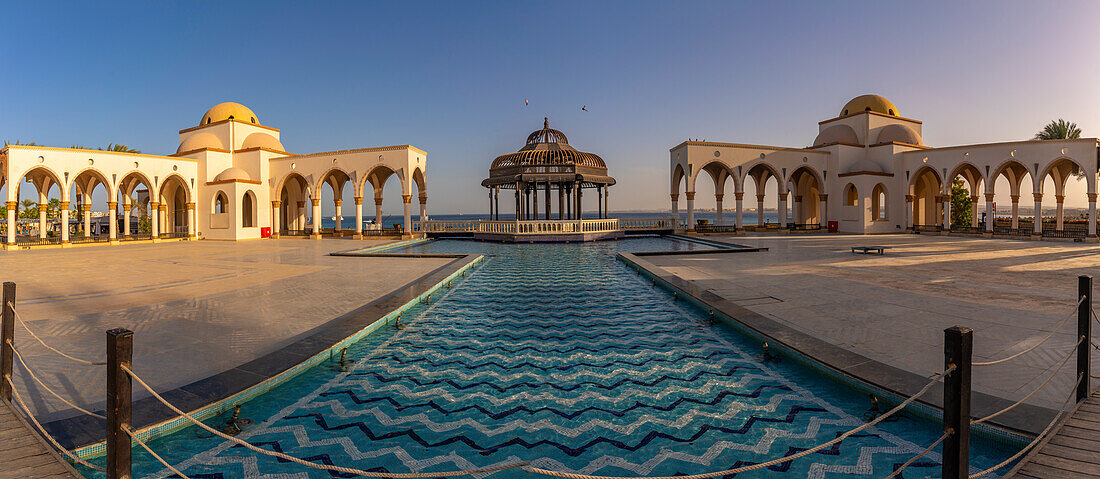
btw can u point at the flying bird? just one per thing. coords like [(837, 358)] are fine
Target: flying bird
[(526, 103), (585, 108)]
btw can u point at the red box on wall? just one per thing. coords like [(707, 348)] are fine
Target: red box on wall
[(834, 226), (265, 232)]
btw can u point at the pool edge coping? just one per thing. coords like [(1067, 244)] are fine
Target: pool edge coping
[(1017, 426)]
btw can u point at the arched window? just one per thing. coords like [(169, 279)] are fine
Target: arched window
[(221, 203), (248, 210), (878, 202), (851, 196)]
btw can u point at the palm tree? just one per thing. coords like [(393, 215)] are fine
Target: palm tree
[(120, 148), (19, 143), (1059, 130)]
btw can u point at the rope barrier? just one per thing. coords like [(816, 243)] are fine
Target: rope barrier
[(1072, 353), (130, 432), (346, 470), (27, 413), (47, 388), (1040, 343), (47, 346), (569, 475), (918, 456), (1038, 438)]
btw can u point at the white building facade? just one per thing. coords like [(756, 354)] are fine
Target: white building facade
[(869, 171), (230, 179)]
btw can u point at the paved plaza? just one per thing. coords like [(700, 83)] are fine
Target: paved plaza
[(894, 308), (196, 308)]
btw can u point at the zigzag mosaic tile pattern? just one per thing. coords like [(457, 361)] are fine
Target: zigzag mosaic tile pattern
[(560, 355)]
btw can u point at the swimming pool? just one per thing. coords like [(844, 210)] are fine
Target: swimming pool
[(561, 355)]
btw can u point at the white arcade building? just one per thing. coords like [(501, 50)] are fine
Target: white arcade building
[(869, 171), (230, 179)]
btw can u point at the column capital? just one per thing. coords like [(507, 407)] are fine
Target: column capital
[(301, 204), (339, 203), (739, 196), (378, 202), (42, 206), (973, 198), (88, 207), (909, 198), (65, 206), (675, 196), (989, 197), (161, 206), (719, 196), (423, 200), (690, 195), (1038, 196), (1092, 197), (760, 198), (12, 204), (823, 197), (1059, 198), (153, 204), (798, 198), (358, 200), (112, 204), (316, 201), (274, 203), (406, 199), (125, 206)]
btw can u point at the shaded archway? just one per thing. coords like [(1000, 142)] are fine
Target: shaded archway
[(767, 180), (172, 211), (38, 216), (333, 181), (248, 209), (879, 206), (972, 182), (1013, 176), (1056, 176), (82, 188), (808, 201), (293, 195), (134, 198), (377, 178), (926, 191)]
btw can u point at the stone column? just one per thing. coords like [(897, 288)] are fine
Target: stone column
[(909, 212), (88, 219), (738, 197), (358, 216), (1015, 211), (337, 226), (300, 216), (154, 220), (718, 208), (782, 210), (517, 203), (423, 208), (407, 199), (580, 209), (162, 213), (691, 211), (822, 218), (191, 220), (606, 193), (760, 209), (112, 221), (126, 227), (316, 218), (547, 189), (797, 210), (378, 212), (276, 217), (42, 219), (561, 203), (12, 206), (496, 203), (974, 211), (64, 222), (946, 212), (1038, 214), (1058, 216), (990, 215), (676, 208), (1092, 215)]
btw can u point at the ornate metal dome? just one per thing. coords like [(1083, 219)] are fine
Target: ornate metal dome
[(547, 157), (545, 135)]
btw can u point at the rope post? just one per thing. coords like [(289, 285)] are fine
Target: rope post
[(7, 339), (1084, 330), (120, 351), (958, 351)]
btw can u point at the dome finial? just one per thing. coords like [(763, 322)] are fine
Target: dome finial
[(545, 122)]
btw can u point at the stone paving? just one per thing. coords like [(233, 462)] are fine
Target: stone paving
[(894, 308), (196, 307)]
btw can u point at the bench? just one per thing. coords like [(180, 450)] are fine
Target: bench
[(880, 250)]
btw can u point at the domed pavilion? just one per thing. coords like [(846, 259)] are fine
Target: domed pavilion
[(545, 164)]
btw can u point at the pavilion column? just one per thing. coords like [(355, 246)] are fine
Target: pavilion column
[(316, 218), (740, 214), (822, 218), (378, 212), (974, 211), (569, 203), (12, 205), (990, 215), (1015, 211), (1038, 214), (154, 219), (606, 193), (580, 210), (718, 208), (336, 227), (490, 203), (526, 202), (407, 200), (496, 203), (760, 210), (547, 200), (112, 220), (599, 203), (782, 210), (191, 220), (64, 222), (909, 212), (423, 208), (126, 209), (676, 208), (1060, 199), (1092, 215), (358, 216), (276, 217), (691, 211), (517, 202), (561, 203), (42, 205)]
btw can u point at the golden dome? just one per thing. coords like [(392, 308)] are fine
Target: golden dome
[(262, 140), (200, 140), (873, 103), (229, 111)]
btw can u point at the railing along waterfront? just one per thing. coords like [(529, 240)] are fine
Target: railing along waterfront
[(533, 227)]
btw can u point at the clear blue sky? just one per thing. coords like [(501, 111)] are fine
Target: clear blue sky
[(451, 77)]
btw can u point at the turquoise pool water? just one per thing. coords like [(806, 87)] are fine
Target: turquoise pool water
[(560, 355)]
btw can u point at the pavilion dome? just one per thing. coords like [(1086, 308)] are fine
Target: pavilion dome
[(229, 111), (872, 103), (899, 134), (262, 140), (199, 141), (233, 173), (548, 147), (837, 134)]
